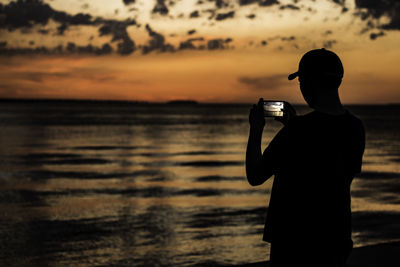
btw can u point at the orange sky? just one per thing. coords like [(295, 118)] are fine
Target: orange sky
[(241, 71)]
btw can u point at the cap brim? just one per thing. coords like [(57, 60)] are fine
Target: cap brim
[(293, 75)]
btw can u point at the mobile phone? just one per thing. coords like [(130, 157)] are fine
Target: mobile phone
[(274, 108)]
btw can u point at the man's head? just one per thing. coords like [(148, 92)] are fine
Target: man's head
[(320, 73)]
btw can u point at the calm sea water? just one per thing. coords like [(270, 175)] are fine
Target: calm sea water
[(119, 184)]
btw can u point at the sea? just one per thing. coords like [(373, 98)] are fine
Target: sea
[(97, 183)]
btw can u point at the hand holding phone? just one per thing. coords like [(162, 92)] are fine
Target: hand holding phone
[(256, 116), (280, 110), (274, 108)]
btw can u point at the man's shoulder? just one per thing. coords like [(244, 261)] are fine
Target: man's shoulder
[(319, 119), (353, 117)]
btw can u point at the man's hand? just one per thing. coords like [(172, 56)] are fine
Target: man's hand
[(288, 115), (256, 117)]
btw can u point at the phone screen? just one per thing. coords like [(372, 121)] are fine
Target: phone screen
[(274, 108)]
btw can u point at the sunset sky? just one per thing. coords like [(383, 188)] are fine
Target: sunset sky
[(206, 50)]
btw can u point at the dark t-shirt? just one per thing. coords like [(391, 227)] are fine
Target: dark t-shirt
[(314, 159)]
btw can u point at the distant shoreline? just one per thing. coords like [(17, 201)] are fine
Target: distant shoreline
[(139, 102)]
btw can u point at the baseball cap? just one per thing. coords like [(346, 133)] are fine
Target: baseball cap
[(319, 62)]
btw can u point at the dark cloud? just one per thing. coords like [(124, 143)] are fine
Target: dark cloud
[(222, 16), (290, 38), (289, 6), (43, 31), (374, 36), (368, 9), (8, 51), (268, 2), (220, 3), (71, 48), (118, 30), (260, 2), (217, 44), (270, 82), (105, 49), (160, 7), (62, 28), (329, 43), (126, 47), (24, 13), (128, 2), (339, 2), (247, 2), (28, 13), (194, 14), (157, 42), (188, 44)]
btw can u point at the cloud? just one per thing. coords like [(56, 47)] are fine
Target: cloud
[(329, 43), (290, 38), (188, 44), (213, 44), (269, 82), (374, 36), (339, 2), (160, 7), (24, 14), (157, 42), (368, 10), (220, 3), (118, 30), (247, 2), (34, 16), (223, 16), (194, 14), (128, 2), (71, 48), (89, 49), (216, 44), (260, 2), (289, 6), (27, 13), (16, 73)]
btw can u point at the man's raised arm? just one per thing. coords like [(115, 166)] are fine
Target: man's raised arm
[(256, 172)]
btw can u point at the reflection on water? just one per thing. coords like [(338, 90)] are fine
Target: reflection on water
[(158, 185)]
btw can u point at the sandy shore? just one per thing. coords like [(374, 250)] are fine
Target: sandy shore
[(381, 255)]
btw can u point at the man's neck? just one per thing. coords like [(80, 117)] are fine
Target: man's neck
[(330, 105)]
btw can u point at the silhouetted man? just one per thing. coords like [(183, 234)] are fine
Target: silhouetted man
[(314, 159)]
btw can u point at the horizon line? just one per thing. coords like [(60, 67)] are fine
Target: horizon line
[(172, 102)]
